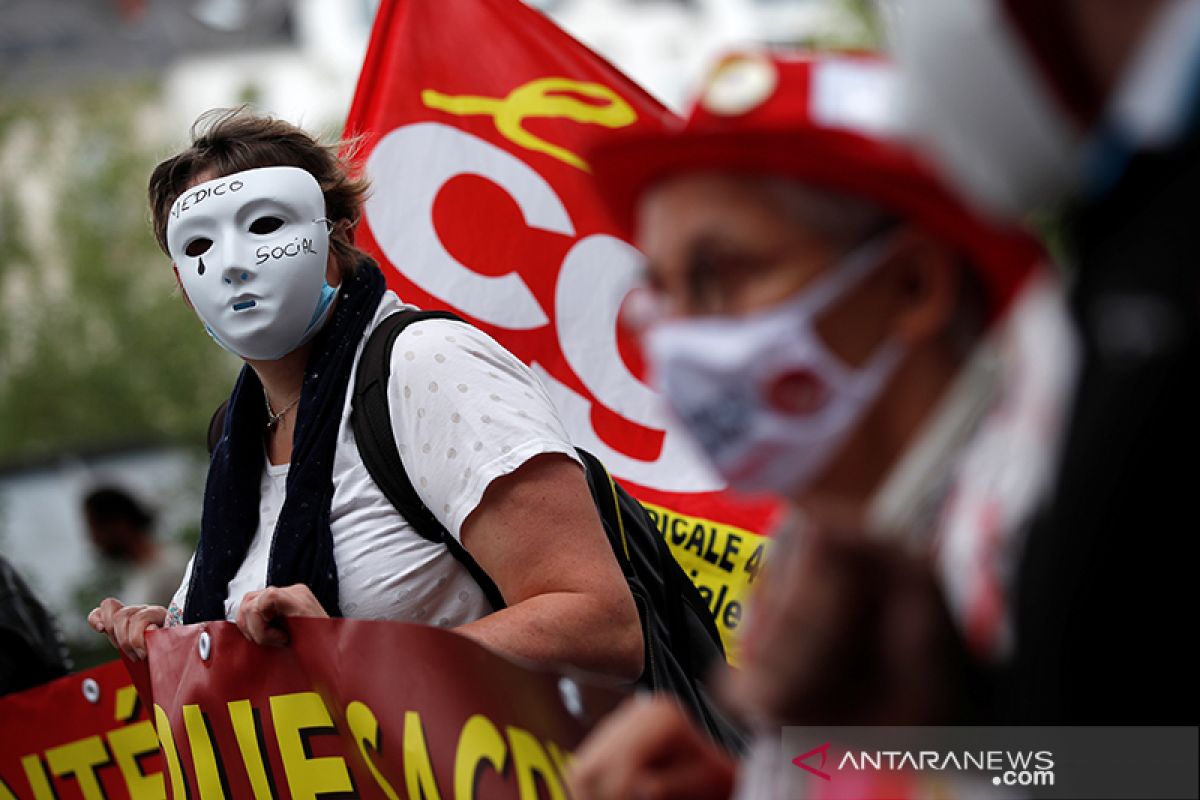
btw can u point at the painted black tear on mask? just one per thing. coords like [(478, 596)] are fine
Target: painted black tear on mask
[(200, 269)]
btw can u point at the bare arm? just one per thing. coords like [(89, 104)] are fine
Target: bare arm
[(537, 534)]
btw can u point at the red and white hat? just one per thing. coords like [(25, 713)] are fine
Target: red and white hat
[(828, 121)]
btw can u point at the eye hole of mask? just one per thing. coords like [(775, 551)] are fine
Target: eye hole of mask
[(198, 247), (264, 225)]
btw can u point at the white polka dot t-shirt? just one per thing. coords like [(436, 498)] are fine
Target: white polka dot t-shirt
[(464, 412)]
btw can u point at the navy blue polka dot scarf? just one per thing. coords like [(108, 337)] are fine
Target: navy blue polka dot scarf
[(302, 547)]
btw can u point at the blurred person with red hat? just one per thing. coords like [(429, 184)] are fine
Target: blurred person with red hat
[(835, 327), (1090, 110)]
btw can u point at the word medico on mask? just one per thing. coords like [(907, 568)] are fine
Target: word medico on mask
[(193, 198)]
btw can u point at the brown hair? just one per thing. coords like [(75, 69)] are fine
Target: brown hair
[(225, 141)]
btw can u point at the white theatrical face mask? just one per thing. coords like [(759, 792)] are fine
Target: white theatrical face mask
[(251, 251), (762, 394)]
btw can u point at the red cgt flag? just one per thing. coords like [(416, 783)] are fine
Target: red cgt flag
[(473, 115)]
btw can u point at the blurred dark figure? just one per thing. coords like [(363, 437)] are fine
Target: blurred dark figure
[(1025, 103), (123, 531), (31, 650)]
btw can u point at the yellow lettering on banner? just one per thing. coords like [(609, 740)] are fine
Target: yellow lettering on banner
[(418, 769), (128, 744), (126, 705), (479, 741), (296, 716), (80, 758), (5, 792), (545, 97), (35, 773), (248, 730), (365, 729), (723, 562), (170, 755), (531, 760), (209, 778)]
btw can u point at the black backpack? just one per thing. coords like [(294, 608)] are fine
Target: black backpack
[(680, 635)]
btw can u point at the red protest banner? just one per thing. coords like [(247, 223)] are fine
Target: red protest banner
[(472, 117), (357, 708), (82, 736)]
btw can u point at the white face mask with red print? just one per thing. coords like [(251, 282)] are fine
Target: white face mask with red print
[(251, 251), (765, 398)]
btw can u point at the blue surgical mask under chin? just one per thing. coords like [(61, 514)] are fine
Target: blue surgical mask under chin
[(323, 302), (320, 314)]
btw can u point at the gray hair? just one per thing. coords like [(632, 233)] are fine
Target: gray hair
[(843, 219), (846, 221)]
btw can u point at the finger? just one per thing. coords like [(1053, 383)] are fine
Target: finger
[(257, 618), (102, 618), (97, 621), (244, 608), (106, 611), (298, 600), (133, 634), (248, 618), (139, 623), (121, 630), (264, 612)]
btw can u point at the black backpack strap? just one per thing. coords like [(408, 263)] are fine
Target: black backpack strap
[(370, 419), (607, 498), (617, 507)]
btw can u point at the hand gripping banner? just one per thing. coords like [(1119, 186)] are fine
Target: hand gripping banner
[(472, 116)]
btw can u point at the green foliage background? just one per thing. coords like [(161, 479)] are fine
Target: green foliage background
[(96, 344)]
